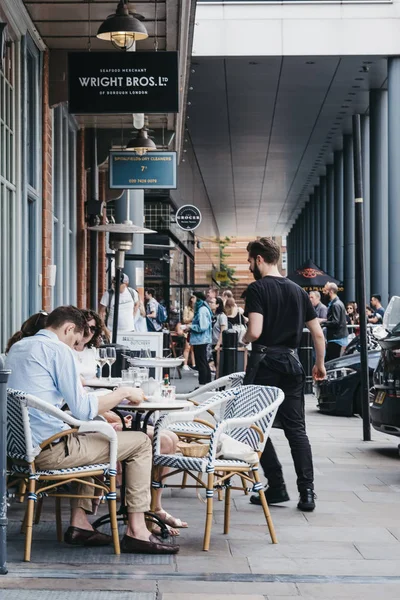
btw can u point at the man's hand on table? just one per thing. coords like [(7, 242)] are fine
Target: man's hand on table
[(134, 395)]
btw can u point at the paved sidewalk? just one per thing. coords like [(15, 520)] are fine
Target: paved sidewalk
[(348, 548)]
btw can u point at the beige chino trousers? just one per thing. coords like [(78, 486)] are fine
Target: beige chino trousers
[(78, 450)]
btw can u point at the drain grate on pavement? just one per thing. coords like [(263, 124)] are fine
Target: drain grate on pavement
[(90, 595)]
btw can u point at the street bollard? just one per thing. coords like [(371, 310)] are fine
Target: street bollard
[(4, 373), (306, 351), (166, 349), (230, 339)]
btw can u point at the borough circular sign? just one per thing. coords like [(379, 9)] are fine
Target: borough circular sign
[(188, 217)]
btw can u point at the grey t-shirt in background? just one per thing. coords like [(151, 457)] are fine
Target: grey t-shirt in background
[(221, 321)]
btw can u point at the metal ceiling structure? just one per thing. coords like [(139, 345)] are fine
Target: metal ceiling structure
[(263, 127)]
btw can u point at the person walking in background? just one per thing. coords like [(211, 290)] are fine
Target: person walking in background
[(352, 316), (187, 318), (320, 309), (128, 303), (336, 327), (201, 336), (219, 324), (153, 323), (278, 309), (379, 311)]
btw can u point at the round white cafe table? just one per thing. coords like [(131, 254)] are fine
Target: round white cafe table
[(148, 407), (103, 382)]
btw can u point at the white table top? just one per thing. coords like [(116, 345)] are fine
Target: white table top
[(163, 405), (165, 363), (103, 382)]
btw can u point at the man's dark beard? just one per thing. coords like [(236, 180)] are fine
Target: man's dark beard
[(256, 272)]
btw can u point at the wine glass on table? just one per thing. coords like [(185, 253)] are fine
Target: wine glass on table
[(111, 357), (101, 359)]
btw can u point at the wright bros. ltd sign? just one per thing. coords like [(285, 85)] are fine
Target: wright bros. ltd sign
[(123, 82)]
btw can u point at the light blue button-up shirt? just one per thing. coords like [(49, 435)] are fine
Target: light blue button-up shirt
[(44, 366)]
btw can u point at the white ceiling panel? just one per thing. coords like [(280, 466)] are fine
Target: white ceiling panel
[(259, 126)]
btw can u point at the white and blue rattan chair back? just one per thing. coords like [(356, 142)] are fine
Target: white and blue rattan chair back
[(227, 382), (19, 436), (255, 405)]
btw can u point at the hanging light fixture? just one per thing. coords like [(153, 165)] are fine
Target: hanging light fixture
[(122, 28), (141, 143)]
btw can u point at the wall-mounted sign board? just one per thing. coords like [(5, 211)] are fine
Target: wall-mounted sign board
[(123, 82), (129, 170)]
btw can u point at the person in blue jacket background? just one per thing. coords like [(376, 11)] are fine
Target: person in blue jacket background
[(201, 336)]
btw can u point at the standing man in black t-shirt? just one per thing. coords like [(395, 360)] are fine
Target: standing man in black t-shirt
[(277, 310)]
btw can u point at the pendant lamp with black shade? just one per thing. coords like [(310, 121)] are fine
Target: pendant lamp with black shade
[(123, 28)]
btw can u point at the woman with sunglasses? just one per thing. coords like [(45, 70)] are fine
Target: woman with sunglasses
[(87, 370), (28, 328)]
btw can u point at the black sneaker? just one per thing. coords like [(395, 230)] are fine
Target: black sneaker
[(272, 495), (307, 500)]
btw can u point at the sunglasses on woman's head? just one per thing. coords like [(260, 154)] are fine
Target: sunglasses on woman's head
[(41, 313)]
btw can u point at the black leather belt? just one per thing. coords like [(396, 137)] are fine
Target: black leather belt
[(260, 349)]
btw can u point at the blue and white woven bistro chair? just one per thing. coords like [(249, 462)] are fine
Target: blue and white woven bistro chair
[(201, 428), (243, 407), (21, 454)]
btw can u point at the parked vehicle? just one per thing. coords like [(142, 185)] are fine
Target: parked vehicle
[(339, 393), (385, 394)]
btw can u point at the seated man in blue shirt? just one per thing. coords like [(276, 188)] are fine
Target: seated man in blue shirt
[(44, 365)]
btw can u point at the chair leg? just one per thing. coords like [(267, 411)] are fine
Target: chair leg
[(244, 486), (59, 520), (266, 510), (227, 513), (38, 511), (210, 505), (156, 479), (112, 507), (184, 480), (22, 492), (29, 519)]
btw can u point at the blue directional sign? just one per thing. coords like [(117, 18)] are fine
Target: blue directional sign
[(129, 170)]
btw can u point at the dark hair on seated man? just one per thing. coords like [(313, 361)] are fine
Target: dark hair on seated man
[(67, 314), (266, 248)]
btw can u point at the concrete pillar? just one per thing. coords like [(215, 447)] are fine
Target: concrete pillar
[(317, 225), (339, 235), (330, 221), (394, 177), (312, 227), (349, 220), (323, 227), (365, 149), (379, 193), (131, 206)]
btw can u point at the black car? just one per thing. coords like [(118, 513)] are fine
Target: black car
[(385, 395), (339, 393)]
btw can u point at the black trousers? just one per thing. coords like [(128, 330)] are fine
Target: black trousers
[(286, 373), (333, 350), (200, 355)]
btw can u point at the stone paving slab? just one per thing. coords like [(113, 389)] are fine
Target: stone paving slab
[(78, 595)]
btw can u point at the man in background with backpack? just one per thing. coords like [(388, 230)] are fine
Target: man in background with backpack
[(128, 305), (156, 313)]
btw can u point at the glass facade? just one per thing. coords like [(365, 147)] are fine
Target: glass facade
[(9, 214)]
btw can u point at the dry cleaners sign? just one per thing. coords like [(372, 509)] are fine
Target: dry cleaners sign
[(122, 83)]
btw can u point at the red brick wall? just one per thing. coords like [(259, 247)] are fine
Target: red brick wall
[(47, 207), (82, 262), (102, 238)]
